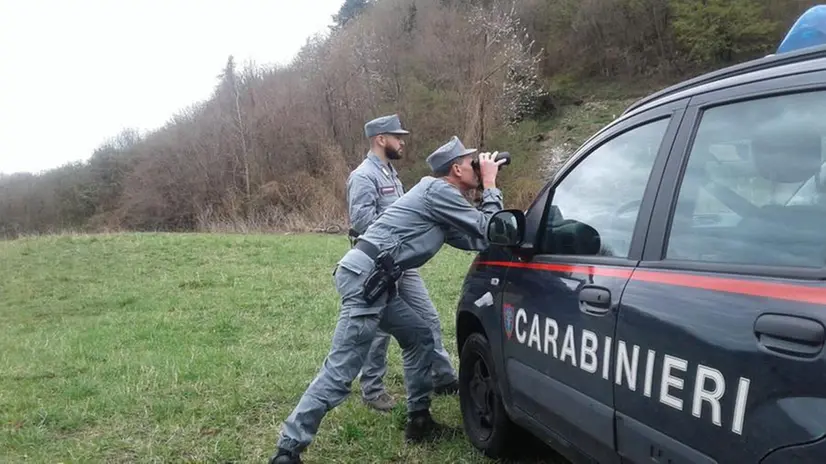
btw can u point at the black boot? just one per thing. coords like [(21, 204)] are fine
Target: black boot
[(450, 389), (421, 427), (285, 457)]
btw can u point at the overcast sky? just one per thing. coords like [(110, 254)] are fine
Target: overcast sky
[(76, 72)]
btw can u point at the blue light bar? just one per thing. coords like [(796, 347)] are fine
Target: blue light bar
[(808, 31)]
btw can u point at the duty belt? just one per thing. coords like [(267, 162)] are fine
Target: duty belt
[(368, 248)]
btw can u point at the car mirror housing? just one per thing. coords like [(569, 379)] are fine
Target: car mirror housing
[(507, 228)]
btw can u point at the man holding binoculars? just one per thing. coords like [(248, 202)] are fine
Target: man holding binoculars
[(407, 235)]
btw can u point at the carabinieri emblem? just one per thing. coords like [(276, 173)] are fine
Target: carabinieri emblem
[(507, 315)]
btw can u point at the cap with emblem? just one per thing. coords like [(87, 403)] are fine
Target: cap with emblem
[(384, 125), (447, 153)]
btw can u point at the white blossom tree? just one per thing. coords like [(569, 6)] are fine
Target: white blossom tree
[(506, 83)]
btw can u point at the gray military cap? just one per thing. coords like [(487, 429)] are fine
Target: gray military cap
[(384, 125), (447, 153)]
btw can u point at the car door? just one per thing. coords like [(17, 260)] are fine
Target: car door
[(559, 308), (725, 313)]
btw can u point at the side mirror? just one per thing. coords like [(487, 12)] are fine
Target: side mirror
[(507, 228)]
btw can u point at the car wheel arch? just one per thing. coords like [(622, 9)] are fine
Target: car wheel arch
[(467, 323)]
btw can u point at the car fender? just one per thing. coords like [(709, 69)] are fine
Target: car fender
[(480, 309), (814, 452)]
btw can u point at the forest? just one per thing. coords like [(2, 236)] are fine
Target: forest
[(271, 149)]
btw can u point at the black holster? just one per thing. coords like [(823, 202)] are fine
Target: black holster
[(382, 279)]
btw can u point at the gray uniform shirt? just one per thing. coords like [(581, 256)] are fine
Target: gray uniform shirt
[(432, 213), (371, 188)]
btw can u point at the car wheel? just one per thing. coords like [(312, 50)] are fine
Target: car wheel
[(484, 418)]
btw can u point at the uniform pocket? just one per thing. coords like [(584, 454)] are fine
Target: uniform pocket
[(353, 333), (353, 271), (348, 280), (350, 267), (387, 195), (350, 286), (362, 328)]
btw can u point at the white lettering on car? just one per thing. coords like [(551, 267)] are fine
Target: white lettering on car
[(606, 358), (550, 337), (649, 372), (521, 315), (534, 340), (712, 397), (568, 346), (706, 391), (669, 380), (740, 406), (589, 350), (623, 365)]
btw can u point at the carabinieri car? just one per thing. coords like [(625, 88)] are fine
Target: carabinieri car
[(663, 298)]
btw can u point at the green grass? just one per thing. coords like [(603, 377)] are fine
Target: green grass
[(189, 348)]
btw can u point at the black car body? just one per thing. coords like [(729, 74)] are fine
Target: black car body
[(663, 299)]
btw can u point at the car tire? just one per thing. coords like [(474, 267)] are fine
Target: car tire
[(485, 421)]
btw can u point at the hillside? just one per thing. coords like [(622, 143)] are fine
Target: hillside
[(271, 148), (588, 109)]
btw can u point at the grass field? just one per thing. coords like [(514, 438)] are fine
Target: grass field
[(189, 348)]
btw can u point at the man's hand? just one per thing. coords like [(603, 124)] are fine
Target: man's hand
[(489, 168)]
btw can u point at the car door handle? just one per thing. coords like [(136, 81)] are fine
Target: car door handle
[(790, 335), (594, 300)]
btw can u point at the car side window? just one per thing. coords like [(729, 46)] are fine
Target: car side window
[(753, 189), (593, 209)]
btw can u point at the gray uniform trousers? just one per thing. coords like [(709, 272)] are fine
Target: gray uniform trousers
[(413, 292), (354, 333)]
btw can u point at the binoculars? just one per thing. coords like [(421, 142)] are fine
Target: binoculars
[(501, 155)]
